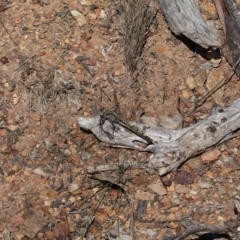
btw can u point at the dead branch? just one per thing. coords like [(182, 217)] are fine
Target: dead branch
[(184, 17), (220, 229), (172, 148), (231, 47)]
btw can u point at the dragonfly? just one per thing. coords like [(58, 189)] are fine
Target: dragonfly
[(114, 118)]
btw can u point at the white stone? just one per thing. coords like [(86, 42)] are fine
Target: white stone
[(81, 20)]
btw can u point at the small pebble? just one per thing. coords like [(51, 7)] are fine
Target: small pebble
[(204, 185), (39, 171), (186, 94), (86, 2), (190, 83), (158, 188), (79, 17), (46, 2), (210, 156), (200, 77), (103, 14), (67, 152), (74, 189), (12, 127)]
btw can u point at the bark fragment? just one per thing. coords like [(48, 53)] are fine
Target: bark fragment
[(183, 17)]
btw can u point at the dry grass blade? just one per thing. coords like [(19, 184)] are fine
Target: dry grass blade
[(138, 19), (91, 218), (224, 81), (107, 185)]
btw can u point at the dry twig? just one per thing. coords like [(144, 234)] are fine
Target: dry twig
[(224, 81)]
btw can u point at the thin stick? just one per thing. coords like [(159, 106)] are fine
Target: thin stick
[(221, 9), (224, 81)]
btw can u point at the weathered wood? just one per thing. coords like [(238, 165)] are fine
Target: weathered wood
[(226, 227), (231, 48), (173, 147), (183, 17)]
